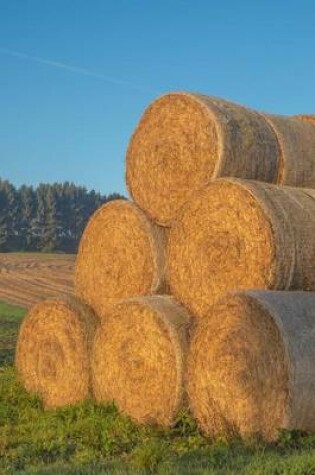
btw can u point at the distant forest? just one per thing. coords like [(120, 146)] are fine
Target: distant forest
[(48, 218)]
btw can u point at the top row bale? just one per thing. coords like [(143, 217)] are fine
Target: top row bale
[(184, 140), (306, 118)]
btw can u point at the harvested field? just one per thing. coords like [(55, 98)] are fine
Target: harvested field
[(26, 279)]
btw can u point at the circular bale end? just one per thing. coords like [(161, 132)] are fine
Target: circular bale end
[(222, 240), (121, 255), (53, 351), (172, 152), (138, 359), (237, 378)]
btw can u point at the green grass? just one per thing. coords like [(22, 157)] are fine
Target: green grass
[(10, 318), (8, 310), (90, 439)]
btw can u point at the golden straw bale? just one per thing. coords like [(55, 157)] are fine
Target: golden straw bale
[(241, 234), (251, 365), (296, 140), (305, 117), (121, 255), (185, 140), (53, 351), (138, 358)]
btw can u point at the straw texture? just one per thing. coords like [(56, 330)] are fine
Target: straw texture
[(238, 234), (139, 356), (297, 145), (184, 140), (53, 351), (251, 365), (310, 118), (121, 255)]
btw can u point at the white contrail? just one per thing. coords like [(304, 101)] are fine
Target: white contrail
[(74, 69)]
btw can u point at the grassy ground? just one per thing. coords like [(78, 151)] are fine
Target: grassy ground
[(90, 439)]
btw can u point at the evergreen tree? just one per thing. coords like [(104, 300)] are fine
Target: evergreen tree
[(28, 210), (48, 218), (9, 216)]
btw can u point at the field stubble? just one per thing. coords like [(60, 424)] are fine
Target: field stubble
[(26, 279)]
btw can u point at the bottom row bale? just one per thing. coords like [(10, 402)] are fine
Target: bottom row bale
[(138, 358), (53, 351), (251, 365)]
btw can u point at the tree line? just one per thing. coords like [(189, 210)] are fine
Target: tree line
[(48, 218)]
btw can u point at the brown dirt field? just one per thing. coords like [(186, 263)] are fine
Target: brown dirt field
[(26, 279)]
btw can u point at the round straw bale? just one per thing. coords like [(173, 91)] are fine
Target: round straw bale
[(121, 255), (297, 144), (251, 364), (184, 140), (240, 234), (53, 351), (310, 118), (138, 358)]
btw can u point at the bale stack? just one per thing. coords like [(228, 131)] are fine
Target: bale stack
[(223, 201), (184, 141)]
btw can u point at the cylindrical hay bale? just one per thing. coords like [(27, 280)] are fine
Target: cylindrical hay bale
[(238, 234), (121, 255), (185, 140), (251, 364), (310, 118), (297, 145), (53, 351), (138, 358)]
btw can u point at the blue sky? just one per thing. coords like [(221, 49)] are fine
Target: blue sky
[(75, 76)]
